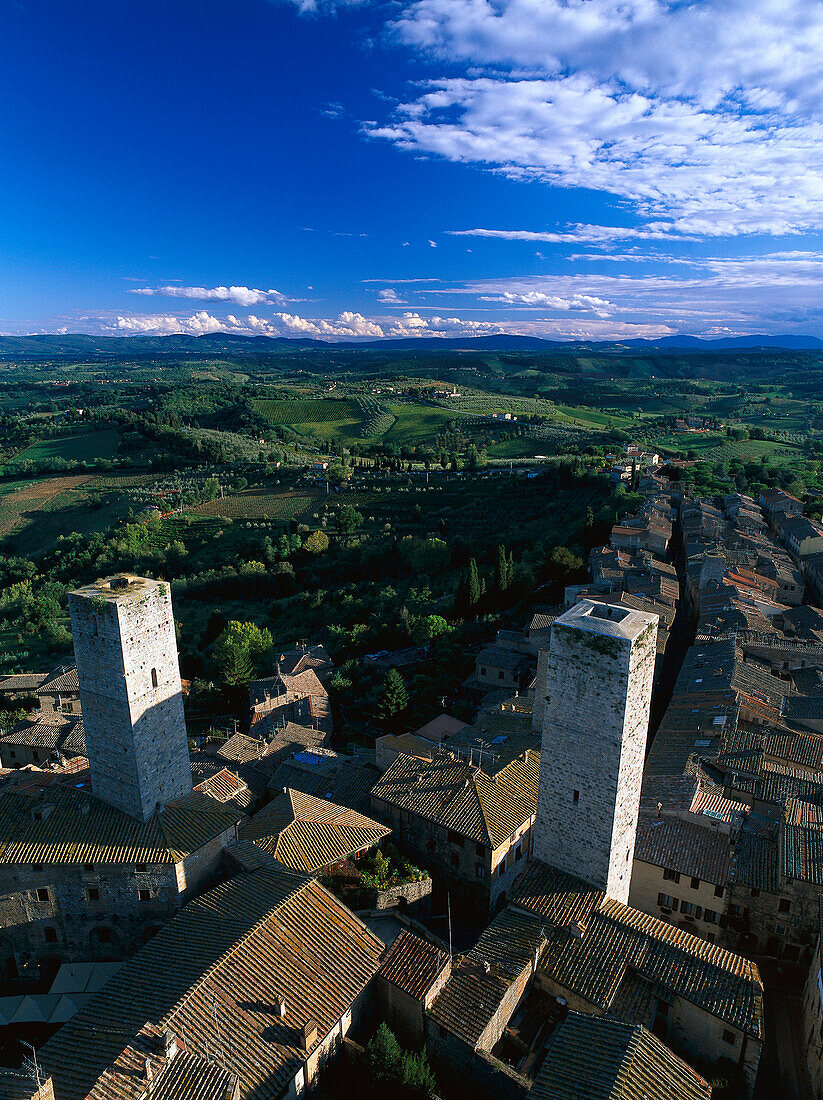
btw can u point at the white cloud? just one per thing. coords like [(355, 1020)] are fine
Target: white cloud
[(586, 303), (240, 295), (706, 115), (390, 296), (578, 234), (432, 244)]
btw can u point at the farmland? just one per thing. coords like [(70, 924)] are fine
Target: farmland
[(325, 419), (261, 503), (73, 448)]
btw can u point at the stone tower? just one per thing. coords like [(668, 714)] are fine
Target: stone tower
[(598, 687), (124, 644)]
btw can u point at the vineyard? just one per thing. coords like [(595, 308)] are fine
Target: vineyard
[(260, 503), (326, 418), (23, 500), (376, 418)]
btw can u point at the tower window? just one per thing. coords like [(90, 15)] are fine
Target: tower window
[(50, 935), (43, 894), (575, 797), (154, 677)]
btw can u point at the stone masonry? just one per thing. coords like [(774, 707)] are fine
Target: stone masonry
[(124, 644), (597, 694)]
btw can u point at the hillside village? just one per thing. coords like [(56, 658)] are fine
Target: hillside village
[(548, 888)]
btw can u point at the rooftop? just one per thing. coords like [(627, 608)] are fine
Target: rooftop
[(413, 964), (599, 1058), (307, 833), (609, 620), (211, 977), (684, 846)]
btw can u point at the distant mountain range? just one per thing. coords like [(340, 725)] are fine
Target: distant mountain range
[(83, 346)]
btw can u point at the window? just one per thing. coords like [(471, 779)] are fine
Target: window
[(456, 838), (718, 891), (430, 847), (518, 853), (88, 866), (481, 851), (709, 916), (93, 894), (144, 895), (43, 894), (690, 910), (13, 754), (140, 867), (483, 671), (666, 901), (575, 797), (37, 866), (670, 876), (662, 1008), (154, 677), (755, 892), (50, 935), (729, 1037), (501, 674), (780, 929), (784, 906), (738, 910), (695, 884), (480, 870), (455, 859)]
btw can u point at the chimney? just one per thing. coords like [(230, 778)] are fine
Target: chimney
[(308, 1035), (280, 1007), (148, 1070), (169, 1044)]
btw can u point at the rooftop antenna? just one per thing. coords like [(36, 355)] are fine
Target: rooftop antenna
[(217, 1029), (449, 912)]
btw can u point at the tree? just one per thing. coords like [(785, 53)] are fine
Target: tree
[(317, 542), (425, 555), (474, 588), (417, 1076), (238, 650), (348, 519), (338, 474), (503, 570), (395, 698), (428, 627), (383, 1055)]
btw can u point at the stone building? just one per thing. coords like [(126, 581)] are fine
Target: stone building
[(411, 975), (124, 644), (599, 673), (264, 976), (813, 1019), (471, 830)]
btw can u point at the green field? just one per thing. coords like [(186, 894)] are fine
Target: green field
[(326, 419), (73, 448)]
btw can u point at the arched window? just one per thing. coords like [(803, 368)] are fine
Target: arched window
[(154, 677)]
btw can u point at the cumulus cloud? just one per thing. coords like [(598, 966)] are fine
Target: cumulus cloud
[(707, 116), (390, 296), (240, 295)]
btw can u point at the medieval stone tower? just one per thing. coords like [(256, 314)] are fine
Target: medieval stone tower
[(598, 685), (124, 644)]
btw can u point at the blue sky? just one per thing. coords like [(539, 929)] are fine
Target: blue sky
[(562, 168)]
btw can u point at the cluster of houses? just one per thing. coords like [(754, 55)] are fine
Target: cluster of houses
[(616, 892)]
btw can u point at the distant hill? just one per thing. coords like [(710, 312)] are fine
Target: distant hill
[(84, 346)]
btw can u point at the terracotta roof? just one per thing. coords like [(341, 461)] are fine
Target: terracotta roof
[(22, 682), (802, 853), (61, 679), (684, 846), (307, 833), (65, 824), (462, 798), (598, 1058), (479, 981), (413, 964), (211, 977), (241, 749), (67, 736), (619, 940), (330, 775), (193, 1077)]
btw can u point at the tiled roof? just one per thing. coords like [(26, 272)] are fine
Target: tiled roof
[(413, 964), (222, 785), (64, 824), (61, 679), (803, 854), (67, 736), (211, 977), (307, 833), (241, 749), (755, 862), (598, 1058), (193, 1077), (800, 707), (479, 981), (495, 657), (22, 681), (684, 846), (328, 775), (462, 798), (618, 939)]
